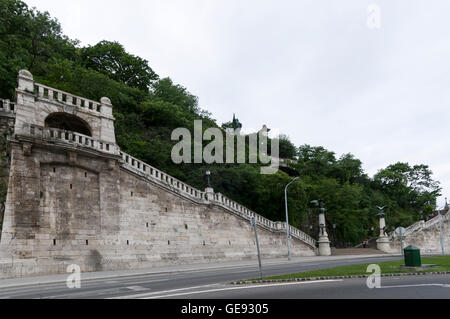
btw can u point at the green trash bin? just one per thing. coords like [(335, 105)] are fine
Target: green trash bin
[(412, 256)]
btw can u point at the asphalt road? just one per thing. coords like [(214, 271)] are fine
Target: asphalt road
[(214, 283), (414, 287)]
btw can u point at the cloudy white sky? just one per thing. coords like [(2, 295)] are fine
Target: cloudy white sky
[(311, 68)]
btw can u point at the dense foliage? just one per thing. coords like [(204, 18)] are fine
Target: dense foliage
[(148, 108)]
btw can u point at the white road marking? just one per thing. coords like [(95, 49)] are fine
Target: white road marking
[(160, 292), (238, 288)]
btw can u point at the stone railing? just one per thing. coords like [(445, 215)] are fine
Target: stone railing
[(73, 138), (421, 225), (243, 211), (301, 235), (137, 166), (262, 221), (414, 227), (435, 220), (55, 95), (162, 178), (7, 107)]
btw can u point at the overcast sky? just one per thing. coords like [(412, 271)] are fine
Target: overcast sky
[(312, 69)]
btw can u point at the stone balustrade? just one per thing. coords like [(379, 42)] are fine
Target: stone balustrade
[(262, 221), (420, 225), (243, 211), (62, 97), (72, 138), (301, 235), (56, 96), (414, 227), (160, 177), (7, 107), (435, 220)]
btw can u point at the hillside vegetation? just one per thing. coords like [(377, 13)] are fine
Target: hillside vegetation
[(148, 108)]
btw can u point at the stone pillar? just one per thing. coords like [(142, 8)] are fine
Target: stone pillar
[(25, 104), (324, 242), (383, 241), (26, 82), (209, 194), (107, 133)]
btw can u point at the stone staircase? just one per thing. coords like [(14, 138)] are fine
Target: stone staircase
[(422, 225)]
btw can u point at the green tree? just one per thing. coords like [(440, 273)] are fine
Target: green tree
[(287, 148), (110, 58)]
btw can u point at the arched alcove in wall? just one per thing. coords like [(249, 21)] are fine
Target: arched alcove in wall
[(68, 122)]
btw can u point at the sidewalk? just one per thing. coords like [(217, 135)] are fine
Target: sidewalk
[(41, 280)]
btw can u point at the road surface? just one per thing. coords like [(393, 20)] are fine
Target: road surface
[(215, 283)]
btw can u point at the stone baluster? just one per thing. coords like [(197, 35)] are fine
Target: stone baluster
[(40, 91)]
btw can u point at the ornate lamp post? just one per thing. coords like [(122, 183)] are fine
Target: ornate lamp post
[(324, 242), (383, 243), (208, 174)]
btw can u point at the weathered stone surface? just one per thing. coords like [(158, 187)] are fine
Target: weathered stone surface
[(78, 200), (427, 237)]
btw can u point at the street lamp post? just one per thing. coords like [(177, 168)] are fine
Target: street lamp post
[(287, 219), (208, 174), (440, 233)]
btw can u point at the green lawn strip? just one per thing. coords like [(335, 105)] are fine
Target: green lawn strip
[(388, 267)]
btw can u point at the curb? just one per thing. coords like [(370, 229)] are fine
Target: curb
[(245, 282)]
